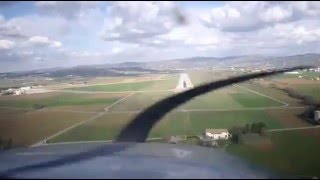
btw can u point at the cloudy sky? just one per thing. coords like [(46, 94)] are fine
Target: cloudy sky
[(39, 34)]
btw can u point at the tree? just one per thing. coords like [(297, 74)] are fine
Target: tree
[(235, 138), (260, 127), (246, 129), (235, 132), (254, 128)]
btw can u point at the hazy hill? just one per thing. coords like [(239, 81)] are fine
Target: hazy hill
[(165, 66)]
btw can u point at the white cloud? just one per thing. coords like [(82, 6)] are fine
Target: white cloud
[(56, 44), (249, 16), (38, 58), (9, 30), (84, 32), (6, 44), (43, 41), (34, 25), (116, 50), (276, 14), (39, 40), (131, 21), (299, 33)]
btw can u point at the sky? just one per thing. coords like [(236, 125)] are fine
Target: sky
[(36, 34)]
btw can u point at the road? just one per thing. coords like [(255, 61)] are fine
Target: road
[(291, 129)]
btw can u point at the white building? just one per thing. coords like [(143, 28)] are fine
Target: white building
[(17, 92), (292, 72), (217, 134), (25, 88)]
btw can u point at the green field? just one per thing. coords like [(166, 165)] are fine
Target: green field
[(116, 87), (224, 108), (26, 127), (175, 123), (310, 74), (310, 89), (272, 92), (58, 99), (293, 153), (200, 77), (214, 100), (168, 82), (139, 101), (230, 98)]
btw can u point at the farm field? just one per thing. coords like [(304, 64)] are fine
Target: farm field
[(106, 80), (115, 87), (169, 82), (63, 83), (208, 111), (264, 88), (26, 127), (175, 123), (140, 101), (230, 98), (304, 86), (234, 105), (310, 89), (54, 99), (149, 83), (293, 152)]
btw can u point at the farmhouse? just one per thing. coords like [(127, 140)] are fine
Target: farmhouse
[(216, 134)]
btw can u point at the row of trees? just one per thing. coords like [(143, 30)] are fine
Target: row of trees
[(237, 131), (306, 99)]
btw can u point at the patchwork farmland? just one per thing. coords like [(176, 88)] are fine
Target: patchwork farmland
[(98, 110)]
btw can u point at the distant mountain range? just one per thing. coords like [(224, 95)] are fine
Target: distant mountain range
[(168, 66), (256, 61)]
